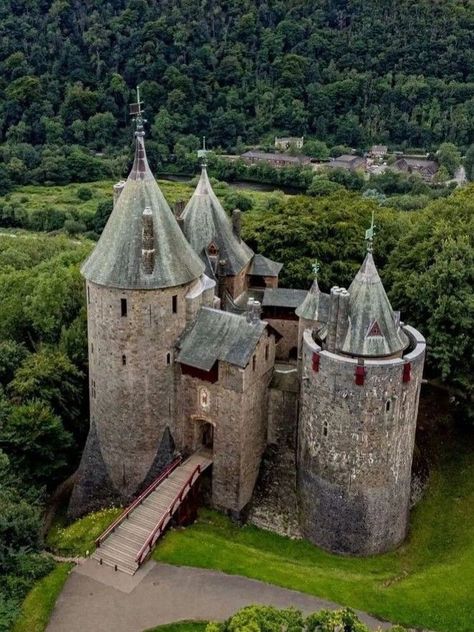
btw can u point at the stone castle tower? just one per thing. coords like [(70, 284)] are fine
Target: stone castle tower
[(137, 279), (361, 373)]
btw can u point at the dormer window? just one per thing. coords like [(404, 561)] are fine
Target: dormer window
[(212, 249)]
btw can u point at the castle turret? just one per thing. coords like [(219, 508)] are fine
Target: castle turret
[(138, 278), (360, 386)]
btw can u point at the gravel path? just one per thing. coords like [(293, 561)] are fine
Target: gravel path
[(97, 599)]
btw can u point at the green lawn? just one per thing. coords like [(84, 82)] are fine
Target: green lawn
[(39, 603), (181, 626), (428, 582), (79, 537)]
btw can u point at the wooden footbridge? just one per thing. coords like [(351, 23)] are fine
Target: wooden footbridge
[(129, 540)]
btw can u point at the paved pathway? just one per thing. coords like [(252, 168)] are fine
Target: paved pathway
[(97, 599)]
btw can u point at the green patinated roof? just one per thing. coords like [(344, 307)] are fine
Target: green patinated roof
[(315, 306), (116, 261), (262, 266), (218, 335), (373, 328), (205, 221)]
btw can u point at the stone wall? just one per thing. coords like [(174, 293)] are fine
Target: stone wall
[(132, 387), (356, 447), (288, 329), (236, 406)]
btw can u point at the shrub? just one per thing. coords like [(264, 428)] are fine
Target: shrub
[(84, 193)]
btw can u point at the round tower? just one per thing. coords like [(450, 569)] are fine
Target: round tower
[(360, 383), (137, 279)]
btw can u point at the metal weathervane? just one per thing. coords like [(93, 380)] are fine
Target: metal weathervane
[(202, 153), (316, 268), (136, 112), (370, 234)]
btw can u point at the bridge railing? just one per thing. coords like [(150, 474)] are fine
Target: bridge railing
[(151, 488), (161, 526)]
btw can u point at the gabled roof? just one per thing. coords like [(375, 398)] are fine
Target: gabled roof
[(262, 266), (374, 330), (205, 221), (116, 261), (218, 335), (283, 297), (315, 306)]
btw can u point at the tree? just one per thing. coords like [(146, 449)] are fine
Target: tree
[(449, 157), (36, 443)]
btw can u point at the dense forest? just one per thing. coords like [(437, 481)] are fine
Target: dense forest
[(342, 71)]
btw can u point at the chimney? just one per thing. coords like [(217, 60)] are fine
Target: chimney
[(342, 318), (333, 317), (148, 241), (254, 311), (237, 222), (179, 208), (118, 188), (221, 279)]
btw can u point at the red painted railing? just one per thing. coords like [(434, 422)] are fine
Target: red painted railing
[(161, 526), (151, 488)]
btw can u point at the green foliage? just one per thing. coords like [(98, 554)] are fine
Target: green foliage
[(449, 157), (35, 441), (36, 609), (430, 276), (79, 538)]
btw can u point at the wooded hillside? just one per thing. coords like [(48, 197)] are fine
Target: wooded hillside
[(344, 71)]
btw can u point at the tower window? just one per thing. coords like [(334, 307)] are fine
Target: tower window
[(124, 360), (168, 358), (266, 353), (175, 304), (88, 294), (92, 347), (254, 363), (325, 429), (123, 306), (388, 406)]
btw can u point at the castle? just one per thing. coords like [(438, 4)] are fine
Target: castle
[(193, 344)]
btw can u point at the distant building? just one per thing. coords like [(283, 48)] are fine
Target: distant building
[(378, 151), (426, 168), (285, 142), (276, 160), (351, 163)]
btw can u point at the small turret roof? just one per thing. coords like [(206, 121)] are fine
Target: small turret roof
[(116, 261), (310, 307), (205, 221), (373, 330)]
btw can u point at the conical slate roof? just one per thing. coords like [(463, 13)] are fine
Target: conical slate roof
[(116, 260), (373, 328), (309, 308), (205, 221)]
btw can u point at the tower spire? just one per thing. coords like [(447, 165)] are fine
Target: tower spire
[(370, 234), (202, 153), (136, 112)]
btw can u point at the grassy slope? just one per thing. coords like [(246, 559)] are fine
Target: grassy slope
[(78, 538), (65, 197), (37, 607), (428, 582)]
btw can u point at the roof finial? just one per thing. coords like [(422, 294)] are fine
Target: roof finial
[(136, 112), (202, 153), (370, 234), (316, 268)]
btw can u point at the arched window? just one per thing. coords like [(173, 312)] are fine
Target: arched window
[(124, 359), (168, 358), (325, 429), (388, 405)]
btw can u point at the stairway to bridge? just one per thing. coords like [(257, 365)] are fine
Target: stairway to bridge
[(129, 540)]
